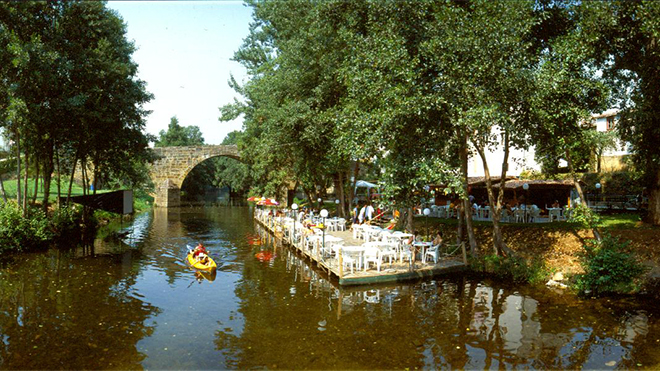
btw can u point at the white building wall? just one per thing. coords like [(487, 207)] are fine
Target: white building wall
[(523, 160), (519, 160), (601, 125)]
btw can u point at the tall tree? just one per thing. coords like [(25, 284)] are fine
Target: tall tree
[(71, 69), (624, 36)]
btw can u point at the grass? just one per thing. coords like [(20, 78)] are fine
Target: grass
[(610, 221), (10, 188), (141, 200), (620, 221)]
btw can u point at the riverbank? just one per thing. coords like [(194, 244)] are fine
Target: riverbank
[(558, 245)]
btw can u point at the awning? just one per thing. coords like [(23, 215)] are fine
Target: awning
[(365, 184)]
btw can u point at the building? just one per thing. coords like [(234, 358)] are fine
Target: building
[(612, 159), (523, 160)]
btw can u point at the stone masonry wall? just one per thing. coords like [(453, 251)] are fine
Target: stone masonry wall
[(174, 164)]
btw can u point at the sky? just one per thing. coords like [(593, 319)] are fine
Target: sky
[(183, 52)]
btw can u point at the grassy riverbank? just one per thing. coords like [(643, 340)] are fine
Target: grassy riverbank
[(141, 200), (39, 229), (559, 246)]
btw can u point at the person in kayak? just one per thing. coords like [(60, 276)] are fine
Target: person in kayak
[(201, 254)]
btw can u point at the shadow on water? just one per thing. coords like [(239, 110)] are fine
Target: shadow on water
[(133, 302)]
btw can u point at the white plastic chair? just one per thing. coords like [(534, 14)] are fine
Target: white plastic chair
[(433, 252), (341, 224), (554, 215), (404, 252), (349, 259), (372, 255), (519, 215), (535, 214)]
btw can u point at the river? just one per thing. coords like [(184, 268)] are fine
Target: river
[(130, 302)]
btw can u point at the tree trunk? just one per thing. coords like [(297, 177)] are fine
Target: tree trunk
[(578, 188), (408, 224), (356, 173), (48, 174), (653, 215), (73, 170), (499, 246), (36, 180), (18, 168), (459, 228), (2, 187), (309, 195), (59, 177), (340, 195), (467, 208), (83, 175), (25, 185)]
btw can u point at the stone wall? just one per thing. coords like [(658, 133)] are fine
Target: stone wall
[(173, 165)]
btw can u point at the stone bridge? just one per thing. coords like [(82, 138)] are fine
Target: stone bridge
[(173, 165)]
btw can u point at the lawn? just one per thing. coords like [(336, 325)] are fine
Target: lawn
[(608, 221), (10, 188), (141, 200)]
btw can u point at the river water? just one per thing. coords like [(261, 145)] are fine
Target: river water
[(130, 302)]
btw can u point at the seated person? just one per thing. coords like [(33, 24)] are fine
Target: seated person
[(556, 204), (200, 253), (437, 242), (414, 238)]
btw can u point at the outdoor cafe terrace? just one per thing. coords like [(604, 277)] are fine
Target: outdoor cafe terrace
[(364, 255)]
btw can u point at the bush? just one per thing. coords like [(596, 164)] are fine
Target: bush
[(65, 222), (18, 233), (512, 268), (583, 217), (608, 268)]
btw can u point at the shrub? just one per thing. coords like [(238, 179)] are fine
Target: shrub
[(608, 268), (65, 222), (19, 233), (583, 217)]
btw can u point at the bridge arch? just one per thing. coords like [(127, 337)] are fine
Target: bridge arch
[(173, 164)]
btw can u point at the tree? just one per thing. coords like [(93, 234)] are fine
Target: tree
[(291, 100), (71, 89), (624, 37), (177, 135), (232, 173)]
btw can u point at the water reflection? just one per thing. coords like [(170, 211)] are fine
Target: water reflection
[(136, 304), (58, 311), (459, 323)]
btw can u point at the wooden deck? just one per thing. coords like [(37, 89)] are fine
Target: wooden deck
[(390, 272)]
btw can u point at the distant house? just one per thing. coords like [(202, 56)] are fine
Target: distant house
[(523, 160), (612, 160)]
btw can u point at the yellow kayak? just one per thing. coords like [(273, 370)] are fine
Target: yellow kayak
[(210, 266)]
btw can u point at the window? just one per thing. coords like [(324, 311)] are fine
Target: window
[(610, 123)]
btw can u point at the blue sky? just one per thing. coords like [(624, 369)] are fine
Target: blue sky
[(184, 52)]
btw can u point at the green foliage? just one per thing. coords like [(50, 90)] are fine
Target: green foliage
[(18, 233), (583, 217), (623, 36), (177, 135), (512, 268), (613, 183), (608, 268), (69, 91), (65, 222), (232, 173)]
